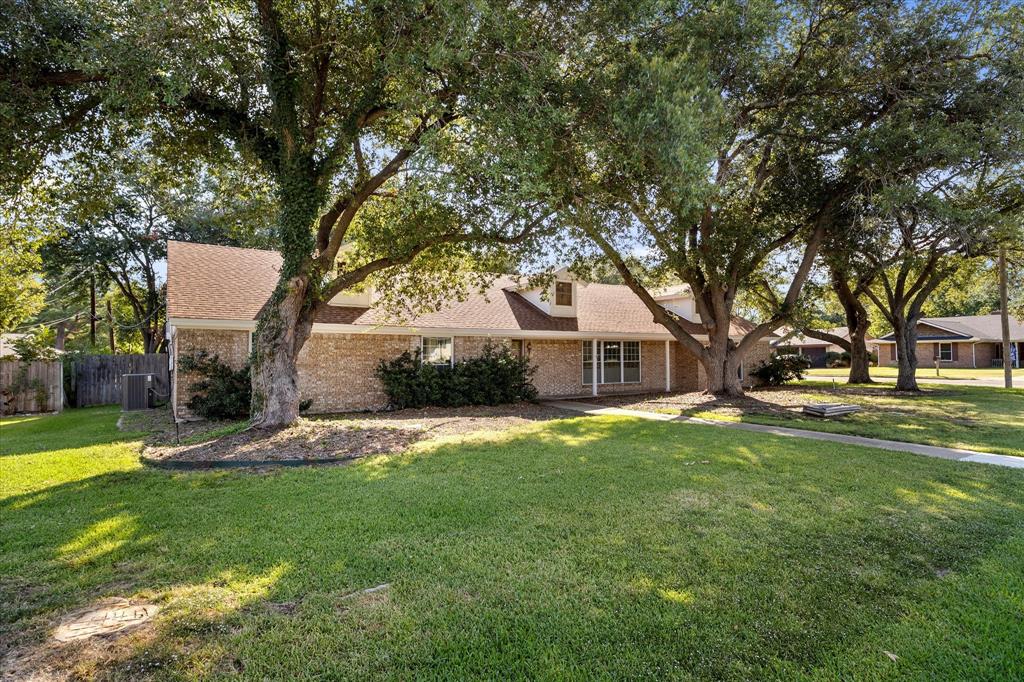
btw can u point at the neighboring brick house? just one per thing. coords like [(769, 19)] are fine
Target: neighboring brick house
[(968, 341), (215, 293)]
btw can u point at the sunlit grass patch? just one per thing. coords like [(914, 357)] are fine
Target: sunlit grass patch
[(593, 547)]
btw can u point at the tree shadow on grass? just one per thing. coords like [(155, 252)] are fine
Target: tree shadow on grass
[(71, 429), (692, 548)]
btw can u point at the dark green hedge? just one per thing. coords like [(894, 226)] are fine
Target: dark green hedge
[(496, 377), (780, 369)]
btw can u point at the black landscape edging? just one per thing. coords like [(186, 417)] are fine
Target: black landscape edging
[(182, 465)]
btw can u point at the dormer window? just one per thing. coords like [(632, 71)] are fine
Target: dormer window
[(563, 293)]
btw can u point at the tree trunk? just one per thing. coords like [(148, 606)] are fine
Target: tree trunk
[(906, 355), (1004, 319), (61, 337), (110, 330), (857, 324), (722, 361), (860, 360), (92, 311), (283, 328)]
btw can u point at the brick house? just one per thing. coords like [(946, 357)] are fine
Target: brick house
[(215, 293), (973, 341)]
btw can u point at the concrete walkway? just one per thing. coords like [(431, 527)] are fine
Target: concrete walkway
[(916, 448)]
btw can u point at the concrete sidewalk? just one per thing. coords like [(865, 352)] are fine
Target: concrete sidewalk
[(916, 448)]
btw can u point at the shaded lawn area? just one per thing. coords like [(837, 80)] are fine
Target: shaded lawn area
[(971, 417), (923, 372), (572, 548)]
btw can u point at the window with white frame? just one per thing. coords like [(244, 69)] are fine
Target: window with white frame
[(436, 350), (618, 362), (946, 352)]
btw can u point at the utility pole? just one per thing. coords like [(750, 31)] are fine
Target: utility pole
[(92, 310), (1004, 319), (110, 328)]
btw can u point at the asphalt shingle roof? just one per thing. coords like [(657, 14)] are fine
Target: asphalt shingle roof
[(976, 327), (227, 283)]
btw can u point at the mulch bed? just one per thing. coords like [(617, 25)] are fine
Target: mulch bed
[(327, 439), (785, 401)]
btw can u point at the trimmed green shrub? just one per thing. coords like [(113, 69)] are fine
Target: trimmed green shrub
[(496, 377), (222, 392), (779, 369), (833, 359)]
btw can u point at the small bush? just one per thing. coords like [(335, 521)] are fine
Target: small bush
[(496, 377), (223, 392), (779, 369), (833, 359)]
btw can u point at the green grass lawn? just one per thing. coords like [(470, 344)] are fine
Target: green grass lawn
[(948, 373), (971, 417), (590, 547)]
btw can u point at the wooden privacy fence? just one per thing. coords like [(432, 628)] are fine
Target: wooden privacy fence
[(30, 386), (96, 379)]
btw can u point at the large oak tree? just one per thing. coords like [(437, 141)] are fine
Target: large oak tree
[(376, 120), (796, 112)]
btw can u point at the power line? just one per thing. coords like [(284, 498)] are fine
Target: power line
[(50, 322), (67, 283)]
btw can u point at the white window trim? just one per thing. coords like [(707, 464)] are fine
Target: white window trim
[(950, 345), (588, 376), (423, 354)]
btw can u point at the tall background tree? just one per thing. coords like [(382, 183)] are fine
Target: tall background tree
[(750, 159), (118, 208), (23, 232)]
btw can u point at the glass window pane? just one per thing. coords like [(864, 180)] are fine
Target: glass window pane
[(563, 293), (588, 364), (631, 372), (437, 350), (612, 367)]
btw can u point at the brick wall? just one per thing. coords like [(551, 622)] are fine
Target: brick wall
[(473, 346), (559, 367), (229, 345), (687, 372), (336, 371), (926, 352), (753, 359)]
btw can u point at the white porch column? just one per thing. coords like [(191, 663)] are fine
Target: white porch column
[(974, 355), (593, 367), (668, 367)]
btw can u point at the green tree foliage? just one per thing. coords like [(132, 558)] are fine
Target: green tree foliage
[(972, 288), (22, 234), (355, 110), (118, 208), (729, 150)]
